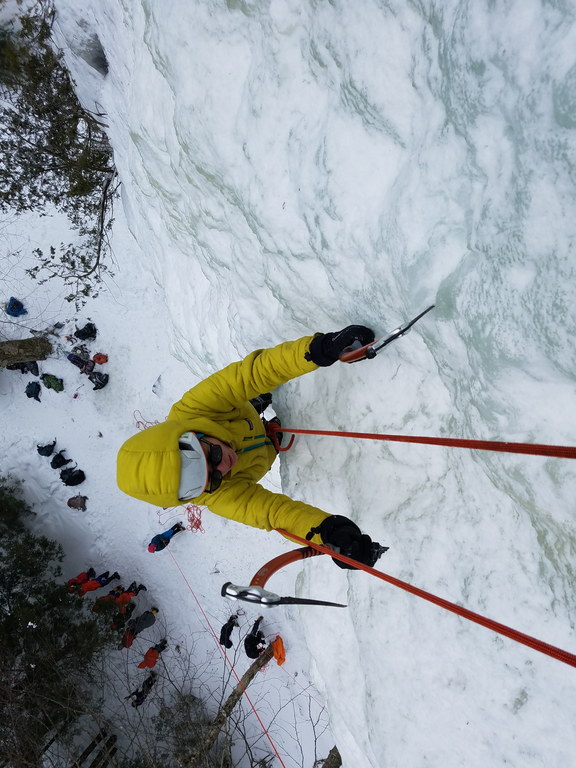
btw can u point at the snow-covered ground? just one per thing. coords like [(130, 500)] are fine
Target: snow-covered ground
[(184, 581), (290, 167)]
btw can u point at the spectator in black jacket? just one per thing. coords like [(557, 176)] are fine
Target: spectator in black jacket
[(255, 641), (226, 631), (141, 693)]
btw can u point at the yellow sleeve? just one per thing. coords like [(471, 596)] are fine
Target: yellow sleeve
[(248, 502), (261, 371)]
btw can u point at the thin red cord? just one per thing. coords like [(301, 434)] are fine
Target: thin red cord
[(225, 655)]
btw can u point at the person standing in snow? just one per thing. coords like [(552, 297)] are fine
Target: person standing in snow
[(137, 625), (81, 578), (107, 602), (145, 620), (255, 641), (141, 693), (15, 308), (33, 390), (46, 450), (213, 448), (118, 598), (119, 620), (126, 595), (161, 540), (153, 654), (226, 631), (96, 583)]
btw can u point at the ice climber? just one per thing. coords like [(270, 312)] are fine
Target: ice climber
[(213, 447)]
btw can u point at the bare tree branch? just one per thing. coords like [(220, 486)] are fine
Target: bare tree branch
[(226, 709)]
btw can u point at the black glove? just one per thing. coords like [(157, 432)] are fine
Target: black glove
[(326, 348), (344, 537)]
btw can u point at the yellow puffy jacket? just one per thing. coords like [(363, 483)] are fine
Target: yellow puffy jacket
[(149, 462)]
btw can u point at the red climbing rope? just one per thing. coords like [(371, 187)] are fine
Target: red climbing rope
[(535, 449), (495, 626), (141, 422), (194, 514)]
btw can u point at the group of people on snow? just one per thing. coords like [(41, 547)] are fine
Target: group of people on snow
[(87, 581), (254, 642), (120, 601)]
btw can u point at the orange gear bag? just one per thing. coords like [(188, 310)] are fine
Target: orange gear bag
[(278, 650)]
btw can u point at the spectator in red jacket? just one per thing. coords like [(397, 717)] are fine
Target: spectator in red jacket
[(81, 578), (96, 583), (108, 602), (126, 595), (153, 654)]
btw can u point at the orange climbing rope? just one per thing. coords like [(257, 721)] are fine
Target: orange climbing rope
[(535, 449), (495, 626)]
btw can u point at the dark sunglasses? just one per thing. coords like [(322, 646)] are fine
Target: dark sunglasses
[(214, 458)]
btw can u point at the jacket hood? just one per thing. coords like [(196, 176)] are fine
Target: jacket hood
[(148, 464)]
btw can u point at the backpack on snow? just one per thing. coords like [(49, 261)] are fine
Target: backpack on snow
[(72, 476), (15, 308), (86, 366), (52, 382), (30, 367), (58, 460), (46, 450), (78, 502), (88, 333), (99, 380), (33, 390)]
